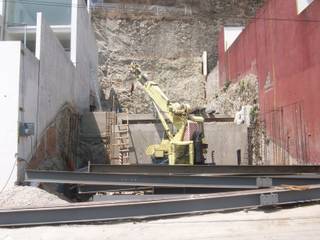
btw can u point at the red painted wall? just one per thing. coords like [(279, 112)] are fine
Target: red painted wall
[(283, 49)]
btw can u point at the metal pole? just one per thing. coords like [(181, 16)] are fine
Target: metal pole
[(25, 36)]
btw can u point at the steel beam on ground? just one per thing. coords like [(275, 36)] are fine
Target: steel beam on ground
[(205, 203), (242, 182), (92, 189), (133, 198), (206, 169), (85, 189)]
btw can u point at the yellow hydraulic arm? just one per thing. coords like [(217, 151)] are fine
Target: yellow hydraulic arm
[(176, 113), (175, 148)]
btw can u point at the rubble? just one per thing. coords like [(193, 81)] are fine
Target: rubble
[(26, 197), (233, 96)]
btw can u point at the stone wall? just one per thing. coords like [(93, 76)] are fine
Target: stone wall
[(167, 41)]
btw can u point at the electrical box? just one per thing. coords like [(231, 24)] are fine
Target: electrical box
[(26, 129)]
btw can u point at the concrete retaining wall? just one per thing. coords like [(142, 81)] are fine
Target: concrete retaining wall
[(56, 76), (223, 138), (35, 90), (83, 53)]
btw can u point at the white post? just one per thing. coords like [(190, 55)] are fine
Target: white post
[(38, 35), (89, 6), (3, 6), (205, 63), (25, 36), (74, 31)]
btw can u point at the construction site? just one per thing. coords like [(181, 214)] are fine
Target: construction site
[(140, 119)]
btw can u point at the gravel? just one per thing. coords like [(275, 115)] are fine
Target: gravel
[(28, 197)]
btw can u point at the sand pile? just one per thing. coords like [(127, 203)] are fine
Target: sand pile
[(26, 197)]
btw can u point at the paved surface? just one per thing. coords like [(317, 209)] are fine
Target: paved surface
[(287, 224)]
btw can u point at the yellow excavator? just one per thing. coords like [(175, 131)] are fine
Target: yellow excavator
[(183, 143)]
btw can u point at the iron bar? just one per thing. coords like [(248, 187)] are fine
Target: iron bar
[(241, 182), (206, 169), (97, 212)]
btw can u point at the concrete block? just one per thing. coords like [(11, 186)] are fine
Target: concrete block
[(224, 141), (93, 124)]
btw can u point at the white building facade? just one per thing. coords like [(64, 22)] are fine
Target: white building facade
[(48, 58)]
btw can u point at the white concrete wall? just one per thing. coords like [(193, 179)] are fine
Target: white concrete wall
[(28, 100), (9, 109), (84, 53), (303, 4), (230, 35), (40, 85), (1, 8), (57, 79), (1, 21), (50, 80)]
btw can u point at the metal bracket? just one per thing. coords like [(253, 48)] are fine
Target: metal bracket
[(26, 129), (264, 182), (269, 199)]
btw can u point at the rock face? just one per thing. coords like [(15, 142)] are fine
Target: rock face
[(167, 38), (232, 97)]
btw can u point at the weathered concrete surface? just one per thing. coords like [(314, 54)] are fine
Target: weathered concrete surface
[(299, 223), (224, 140), (212, 83), (93, 124), (141, 136), (168, 46), (57, 144), (92, 144)]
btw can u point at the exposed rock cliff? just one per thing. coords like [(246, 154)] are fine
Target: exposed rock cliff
[(167, 38)]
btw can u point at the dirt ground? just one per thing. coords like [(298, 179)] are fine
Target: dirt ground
[(297, 223)]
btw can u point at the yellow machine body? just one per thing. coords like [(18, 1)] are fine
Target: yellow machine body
[(174, 148)]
